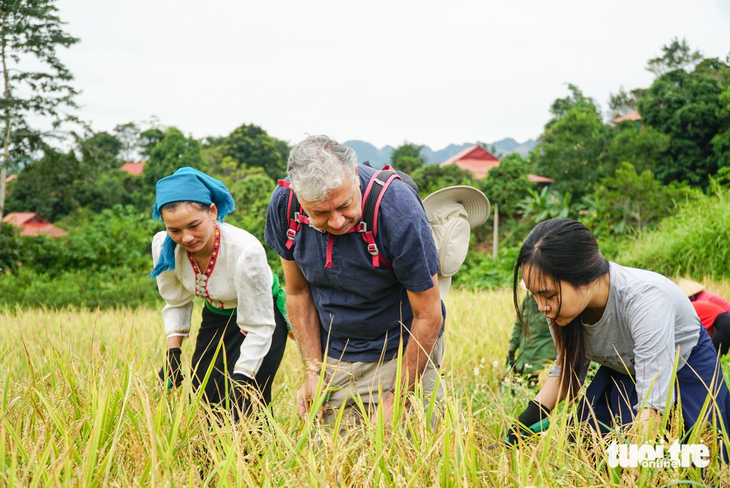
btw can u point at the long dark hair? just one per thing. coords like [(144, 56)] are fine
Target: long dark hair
[(563, 250)]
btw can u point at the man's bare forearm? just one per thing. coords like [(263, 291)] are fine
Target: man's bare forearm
[(302, 315), (425, 329), (305, 324), (424, 334)]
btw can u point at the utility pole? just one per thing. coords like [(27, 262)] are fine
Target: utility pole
[(6, 139), (495, 241)]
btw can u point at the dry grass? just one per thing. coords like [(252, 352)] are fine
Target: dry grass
[(81, 406)]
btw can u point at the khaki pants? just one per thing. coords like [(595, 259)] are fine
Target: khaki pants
[(349, 383)]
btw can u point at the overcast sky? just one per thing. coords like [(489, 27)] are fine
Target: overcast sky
[(430, 72)]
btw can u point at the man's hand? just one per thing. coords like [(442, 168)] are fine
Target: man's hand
[(388, 406), (310, 390), (305, 322)]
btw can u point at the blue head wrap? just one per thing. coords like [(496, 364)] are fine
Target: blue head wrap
[(187, 185)]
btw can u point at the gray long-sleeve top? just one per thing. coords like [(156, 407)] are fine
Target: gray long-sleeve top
[(647, 317)]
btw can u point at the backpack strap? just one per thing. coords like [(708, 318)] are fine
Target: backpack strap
[(293, 212), (370, 207), (295, 215), (368, 226)]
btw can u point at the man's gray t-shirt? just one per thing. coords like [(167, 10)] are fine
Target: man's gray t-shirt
[(647, 317)]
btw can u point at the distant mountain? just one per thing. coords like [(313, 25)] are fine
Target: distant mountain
[(525, 147), (380, 157), (367, 152)]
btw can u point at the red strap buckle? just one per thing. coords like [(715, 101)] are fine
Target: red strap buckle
[(291, 234), (373, 249)]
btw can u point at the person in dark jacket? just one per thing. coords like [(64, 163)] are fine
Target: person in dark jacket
[(532, 349)]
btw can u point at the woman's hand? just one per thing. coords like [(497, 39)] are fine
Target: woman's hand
[(647, 423), (240, 389), (171, 373), (532, 416)]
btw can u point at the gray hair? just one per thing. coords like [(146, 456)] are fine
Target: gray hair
[(317, 166)]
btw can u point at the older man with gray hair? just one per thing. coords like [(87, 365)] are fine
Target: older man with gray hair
[(342, 301)]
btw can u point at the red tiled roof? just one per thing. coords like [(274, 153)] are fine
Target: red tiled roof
[(475, 159), (475, 152), (133, 168), (477, 166), (34, 229), (22, 218), (629, 116), (539, 179), (32, 224), (479, 161)]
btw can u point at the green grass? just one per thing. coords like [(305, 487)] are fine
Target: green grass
[(694, 242), (81, 406)]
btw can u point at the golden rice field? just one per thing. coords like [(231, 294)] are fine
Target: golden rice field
[(81, 406)]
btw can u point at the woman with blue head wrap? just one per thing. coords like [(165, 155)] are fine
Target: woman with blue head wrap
[(199, 255)]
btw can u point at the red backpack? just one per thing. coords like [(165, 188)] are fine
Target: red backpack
[(368, 226)]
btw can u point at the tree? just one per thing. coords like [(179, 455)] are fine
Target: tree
[(171, 153), (48, 187), (433, 177), (677, 55), (572, 147), (684, 106), (105, 189), (548, 204), (101, 151), (624, 102), (407, 157), (644, 149), (714, 68), (576, 99), (11, 248), (721, 141), (507, 184), (251, 193), (129, 136), (628, 202), (252, 146), (149, 139), (30, 33)]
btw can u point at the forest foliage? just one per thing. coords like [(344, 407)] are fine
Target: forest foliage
[(641, 187)]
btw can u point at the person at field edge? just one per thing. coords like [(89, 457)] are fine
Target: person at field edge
[(535, 344), (243, 332), (696, 292), (717, 322), (630, 321), (339, 301)]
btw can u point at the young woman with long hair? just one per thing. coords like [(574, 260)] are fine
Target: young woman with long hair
[(633, 322)]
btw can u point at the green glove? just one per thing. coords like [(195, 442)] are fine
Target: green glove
[(533, 416), (510, 358)]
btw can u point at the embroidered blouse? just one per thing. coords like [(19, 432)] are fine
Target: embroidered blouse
[(239, 278)]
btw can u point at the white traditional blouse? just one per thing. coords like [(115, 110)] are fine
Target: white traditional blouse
[(239, 278)]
